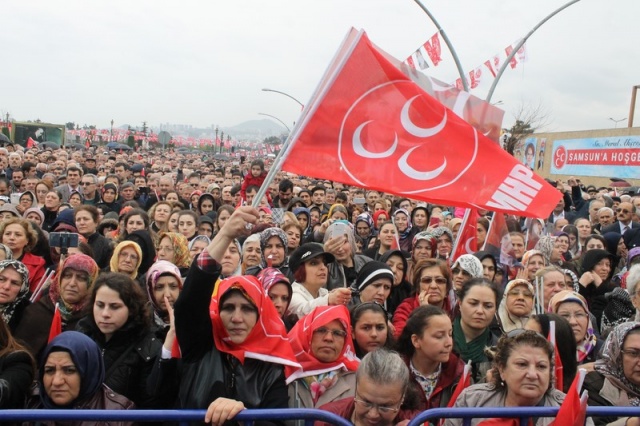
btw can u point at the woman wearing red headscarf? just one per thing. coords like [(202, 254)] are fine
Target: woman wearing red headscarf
[(234, 345), (322, 343)]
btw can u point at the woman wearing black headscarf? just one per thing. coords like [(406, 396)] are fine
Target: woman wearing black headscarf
[(595, 280), (72, 375)]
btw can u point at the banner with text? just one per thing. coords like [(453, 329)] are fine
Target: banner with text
[(607, 156)]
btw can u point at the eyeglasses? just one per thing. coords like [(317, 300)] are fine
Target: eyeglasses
[(382, 409), (128, 256), (577, 315), (338, 334), (429, 280), (86, 183), (525, 293), (632, 353), (625, 211), (195, 185), (456, 271)]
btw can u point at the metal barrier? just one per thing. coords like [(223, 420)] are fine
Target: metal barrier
[(522, 413), (181, 416)]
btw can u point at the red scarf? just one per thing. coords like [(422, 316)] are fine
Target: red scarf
[(268, 340), (300, 337)]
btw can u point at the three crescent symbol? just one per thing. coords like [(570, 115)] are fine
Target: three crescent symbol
[(359, 149), (419, 132)]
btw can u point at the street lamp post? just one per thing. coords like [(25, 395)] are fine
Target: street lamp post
[(216, 141), (617, 121), (111, 134), (276, 118), (285, 94)]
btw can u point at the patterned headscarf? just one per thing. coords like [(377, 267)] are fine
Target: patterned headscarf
[(589, 342), (158, 269), (181, 257), (79, 262), (273, 232), (610, 364), (545, 245), (471, 264), (407, 231), (7, 309), (113, 263), (366, 218), (8, 254), (526, 257), (427, 236)]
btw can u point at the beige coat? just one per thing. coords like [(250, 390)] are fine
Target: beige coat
[(300, 395)]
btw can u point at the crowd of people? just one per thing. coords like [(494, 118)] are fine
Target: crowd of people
[(170, 290)]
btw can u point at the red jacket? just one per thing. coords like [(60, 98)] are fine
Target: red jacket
[(35, 265), (449, 377), (401, 315), (249, 180)]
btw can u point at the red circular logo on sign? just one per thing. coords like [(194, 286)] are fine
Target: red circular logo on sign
[(559, 157), (397, 130)]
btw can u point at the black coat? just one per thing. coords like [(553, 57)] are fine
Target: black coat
[(102, 249), (129, 357), (16, 375), (206, 372)]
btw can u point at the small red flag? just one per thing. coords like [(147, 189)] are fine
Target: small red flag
[(559, 369), (175, 349), (56, 325), (574, 408), (465, 382), (30, 143), (467, 238)]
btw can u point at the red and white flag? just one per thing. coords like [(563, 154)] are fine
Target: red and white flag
[(467, 238), (573, 410), (463, 383), (384, 132), (558, 369), (433, 49), (30, 143), (498, 241)]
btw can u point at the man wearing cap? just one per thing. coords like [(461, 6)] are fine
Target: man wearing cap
[(90, 166)]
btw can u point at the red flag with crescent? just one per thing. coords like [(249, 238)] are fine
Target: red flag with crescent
[(467, 238), (370, 125)]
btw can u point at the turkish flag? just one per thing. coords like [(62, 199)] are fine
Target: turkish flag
[(56, 325), (30, 143), (558, 368), (574, 408), (370, 125), (467, 238), (498, 241)]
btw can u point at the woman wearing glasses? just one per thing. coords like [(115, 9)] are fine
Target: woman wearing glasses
[(573, 307), (431, 285), (323, 347), (616, 379), (426, 344), (516, 306), (521, 377)]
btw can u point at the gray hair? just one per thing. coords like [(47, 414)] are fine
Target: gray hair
[(632, 279), (605, 209), (383, 366), (93, 177)]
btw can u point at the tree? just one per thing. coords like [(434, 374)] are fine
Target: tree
[(70, 125), (529, 119), (272, 140)]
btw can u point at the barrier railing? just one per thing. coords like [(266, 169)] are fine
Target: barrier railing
[(308, 415), (181, 416), (522, 413)]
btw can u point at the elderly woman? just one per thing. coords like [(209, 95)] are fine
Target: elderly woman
[(273, 243), (35, 215), (14, 292), (431, 286), (70, 291), (227, 338), (573, 307), (424, 246), (525, 351), (18, 234), (174, 248), (72, 376), (197, 245), (323, 347), (444, 239), (309, 266), (533, 260), (126, 259), (251, 252), (365, 228), (516, 306), (616, 380)]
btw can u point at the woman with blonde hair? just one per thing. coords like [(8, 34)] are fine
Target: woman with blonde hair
[(18, 234)]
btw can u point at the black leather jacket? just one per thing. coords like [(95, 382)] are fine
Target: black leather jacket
[(206, 373)]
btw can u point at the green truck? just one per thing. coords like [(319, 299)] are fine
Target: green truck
[(39, 132)]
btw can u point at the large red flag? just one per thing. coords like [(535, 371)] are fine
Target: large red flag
[(574, 408), (371, 125), (467, 238)]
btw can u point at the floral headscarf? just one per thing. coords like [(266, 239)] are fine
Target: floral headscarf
[(272, 232), (8, 254), (471, 264), (181, 257), (79, 262), (589, 342), (610, 365), (427, 236), (7, 309), (113, 263), (407, 231), (366, 218), (526, 257), (545, 245)]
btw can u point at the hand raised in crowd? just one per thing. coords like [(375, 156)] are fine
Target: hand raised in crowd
[(339, 296), (334, 243), (588, 278), (234, 227), (522, 274), (171, 334), (221, 410)]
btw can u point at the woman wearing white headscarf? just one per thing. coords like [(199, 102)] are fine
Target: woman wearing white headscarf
[(516, 306)]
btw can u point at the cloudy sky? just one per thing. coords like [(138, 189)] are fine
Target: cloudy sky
[(205, 62)]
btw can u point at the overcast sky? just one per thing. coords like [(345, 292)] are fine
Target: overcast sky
[(205, 62)]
